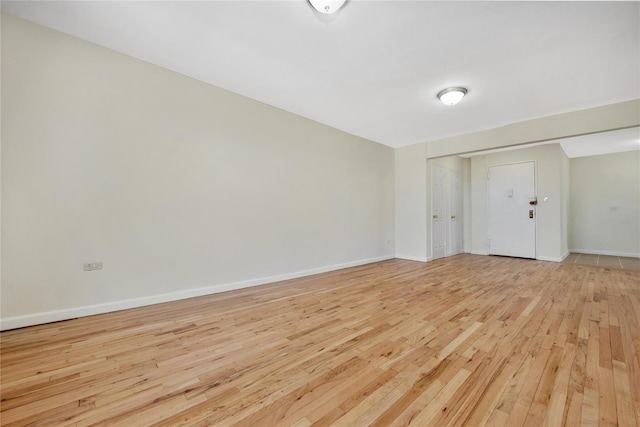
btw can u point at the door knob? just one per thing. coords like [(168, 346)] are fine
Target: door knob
[(453, 217), (435, 217)]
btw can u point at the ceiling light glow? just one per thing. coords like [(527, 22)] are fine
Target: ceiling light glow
[(452, 95), (327, 6)]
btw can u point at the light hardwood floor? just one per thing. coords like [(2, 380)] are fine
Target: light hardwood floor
[(466, 340)]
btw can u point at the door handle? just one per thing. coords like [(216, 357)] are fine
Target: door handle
[(453, 217), (530, 213), (435, 217)]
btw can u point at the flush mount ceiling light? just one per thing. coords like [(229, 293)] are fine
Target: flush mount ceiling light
[(327, 6), (451, 95)]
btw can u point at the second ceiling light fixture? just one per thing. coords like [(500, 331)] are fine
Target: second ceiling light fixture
[(327, 6)]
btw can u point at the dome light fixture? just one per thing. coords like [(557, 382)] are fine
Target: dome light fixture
[(452, 95), (327, 7)]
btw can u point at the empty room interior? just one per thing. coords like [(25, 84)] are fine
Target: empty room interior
[(313, 213)]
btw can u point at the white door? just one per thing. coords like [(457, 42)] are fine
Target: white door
[(455, 213), (438, 223), (511, 223)]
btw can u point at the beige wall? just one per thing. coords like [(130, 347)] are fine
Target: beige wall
[(411, 202), (605, 204), (180, 188)]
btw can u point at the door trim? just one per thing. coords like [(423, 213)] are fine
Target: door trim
[(444, 208), (458, 229)]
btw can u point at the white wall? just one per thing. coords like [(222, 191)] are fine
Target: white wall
[(180, 188), (605, 204), (549, 228), (411, 202)]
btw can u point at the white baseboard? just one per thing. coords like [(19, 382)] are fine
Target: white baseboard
[(412, 258), (89, 310), (541, 258), (550, 258), (479, 253), (609, 253)]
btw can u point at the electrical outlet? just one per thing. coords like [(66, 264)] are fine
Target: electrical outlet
[(91, 266)]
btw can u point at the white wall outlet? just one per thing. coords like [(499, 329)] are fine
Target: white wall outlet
[(91, 266)]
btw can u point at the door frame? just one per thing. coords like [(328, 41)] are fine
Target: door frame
[(445, 209), (454, 249)]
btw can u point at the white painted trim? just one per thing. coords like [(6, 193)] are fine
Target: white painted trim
[(550, 258), (479, 253), (89, 310), (565, 255), (412, 258), (609, 253), (540, 258)]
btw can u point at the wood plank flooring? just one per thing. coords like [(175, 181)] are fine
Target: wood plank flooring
[(467, 340)]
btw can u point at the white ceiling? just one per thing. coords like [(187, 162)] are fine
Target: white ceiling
[(601, 143), (374, 70)]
